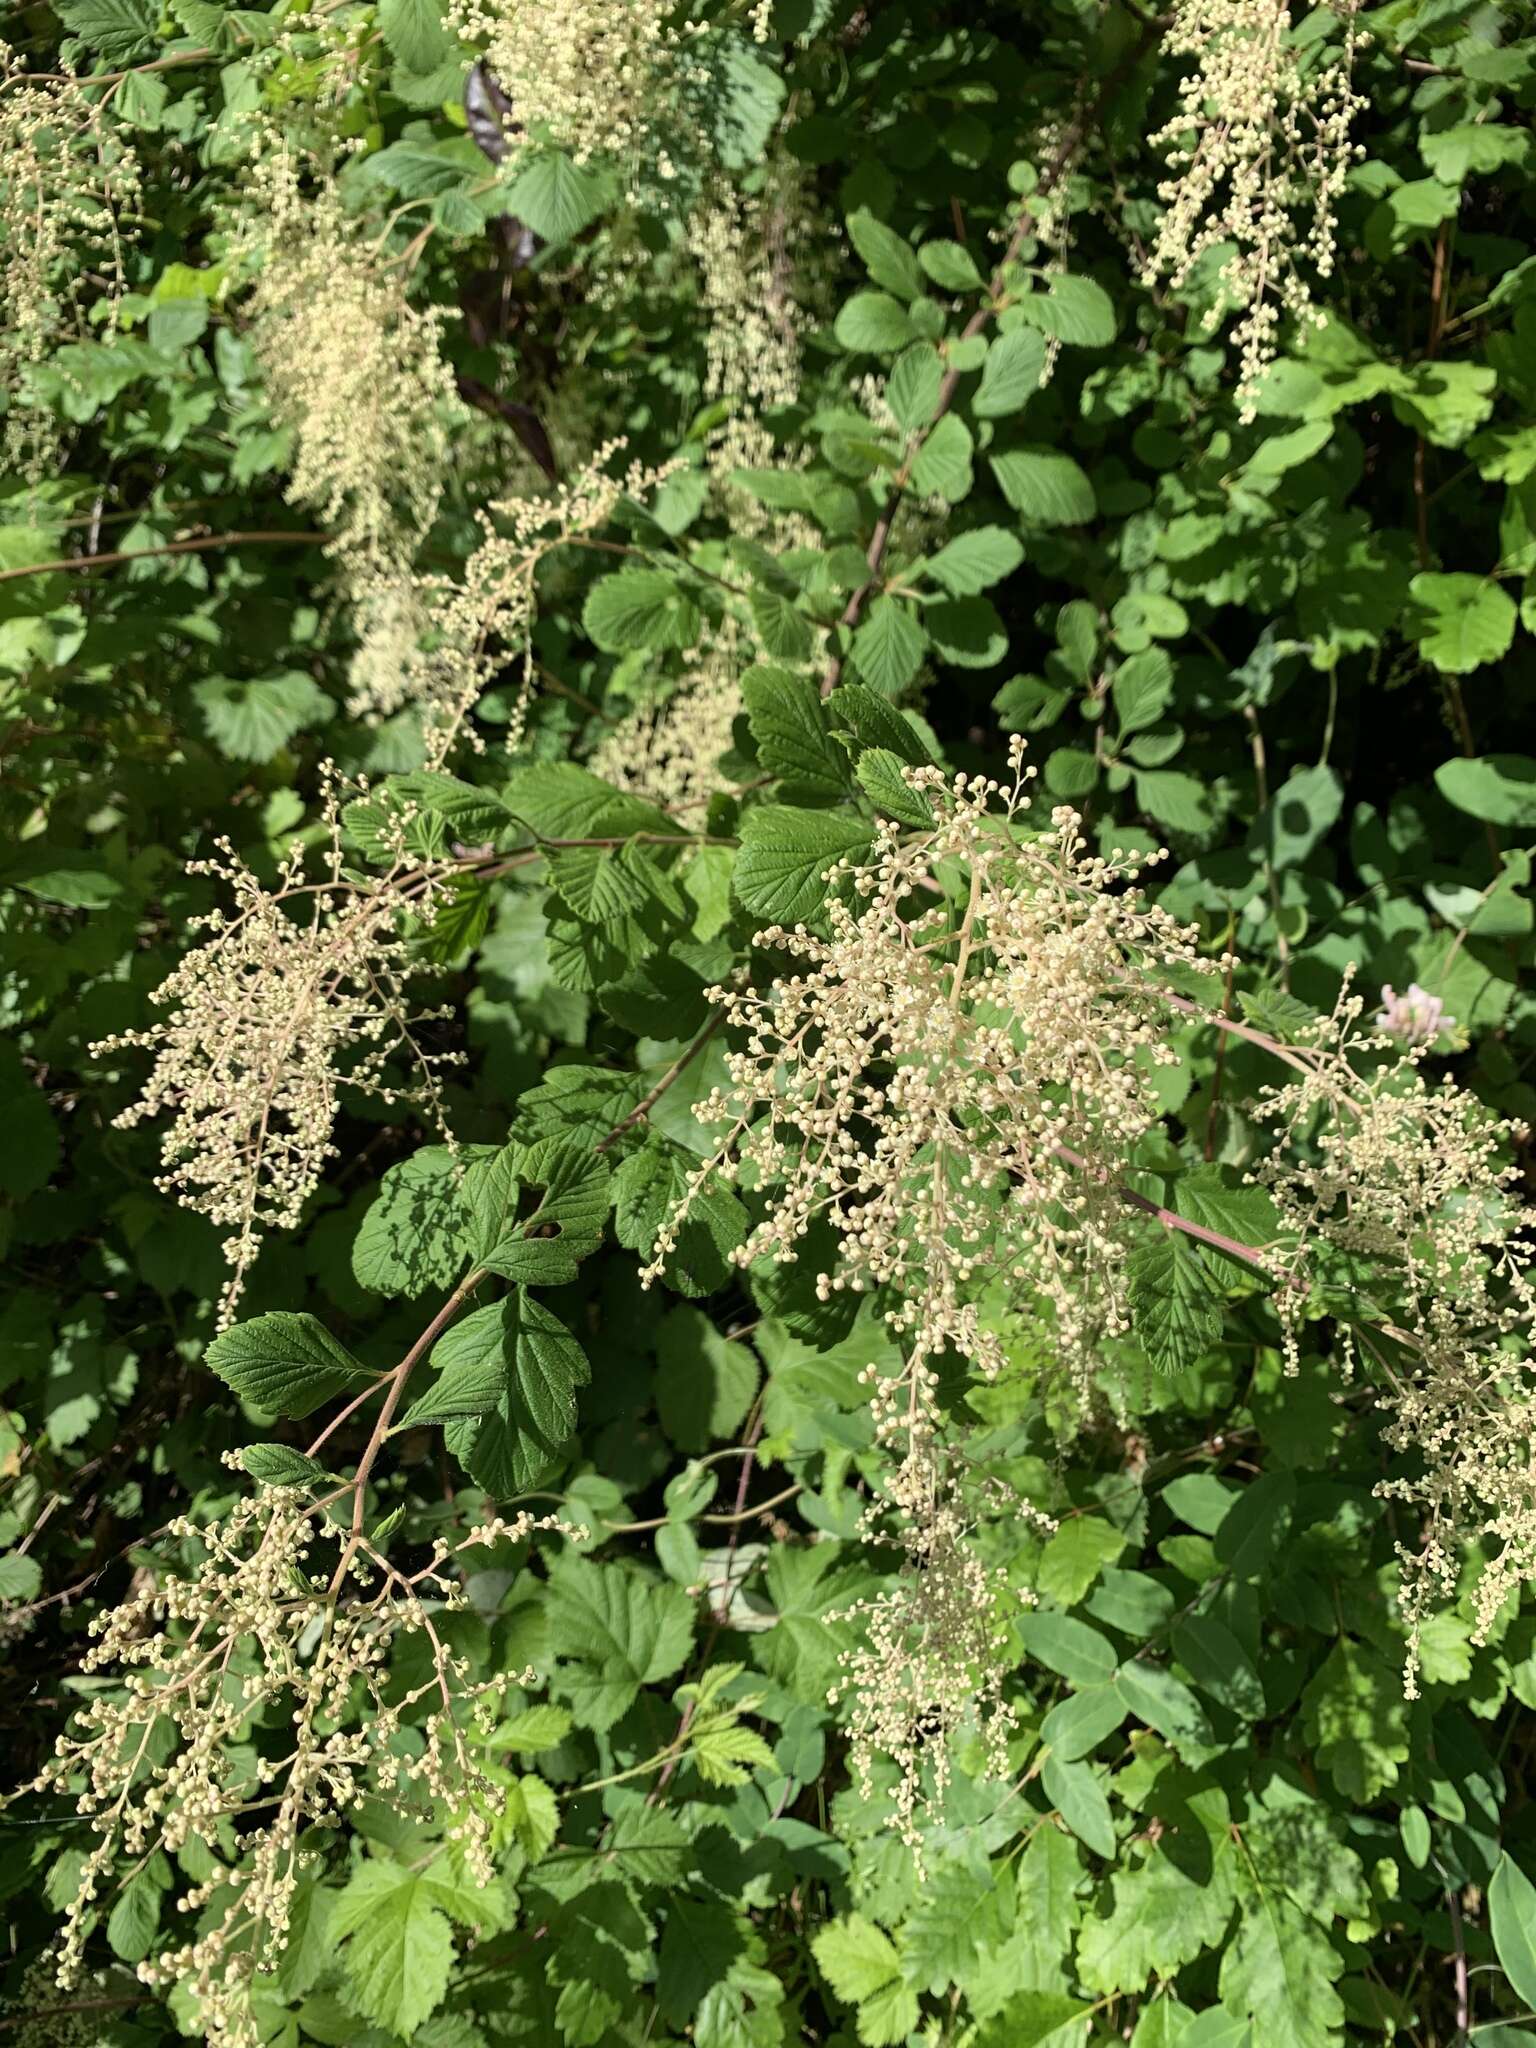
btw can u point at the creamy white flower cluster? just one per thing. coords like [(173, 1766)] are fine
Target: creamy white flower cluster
[(351, 367), (254, 1705), (438, 644), (1258, 154), (66, 176), (935, 1652), (1411, 1183), (669, 751), (955, 1079), (295, 990), (953, 1082), (757, 276), (602, 78)]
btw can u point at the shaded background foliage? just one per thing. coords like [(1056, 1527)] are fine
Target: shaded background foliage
[(1297, 652)]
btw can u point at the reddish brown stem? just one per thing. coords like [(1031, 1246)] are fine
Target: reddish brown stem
[(647, 1103), (106, 78), (398, 1379), (171, 547), (1233, 1248)]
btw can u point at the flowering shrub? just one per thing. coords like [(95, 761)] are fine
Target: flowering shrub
[(767, 892)]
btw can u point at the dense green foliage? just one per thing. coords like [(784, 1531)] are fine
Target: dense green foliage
[(1295, 650)]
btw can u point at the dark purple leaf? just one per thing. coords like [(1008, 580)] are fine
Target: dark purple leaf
[(523, 421), (487, 113), (516, 238)]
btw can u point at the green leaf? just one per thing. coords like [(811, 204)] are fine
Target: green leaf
[(951, 266), (1164, 1913), (117, 29), (1512, 1916), (414, 33), (280, 1465), (21, 1576), (1175, 1303), (961, 1912), (880, 777), (535, 1729), (648, 1188), (1033, 2018), (728, 1754), (1011, 374), (876, 723), (1079, 1723), (618, 1629), (1355, 1720), (432, 809), (700, 1942), (555, 197), (507, 1384), (912, 389), (1216, 2028), (1413, 1827), (941, 468), (873, 323), (1074, 310), (544, 1248), (1452, 153), (1219, 1665), (974, 561), (1075, 1556), (1046, 487), (1277, 453), (1154, 1695), (889, 646), (412, 1236), (1257, 1525), (252, 721), (1279, 1969), (887, 258), (77, 880), (1142, 689), (1075, 1792), (1162, 2023), (1498, 787), (967, 632), (1444, 401), (639, 609), (558, 800), (1215, 1197), (862, 1966), (1303, 811), (532, 1812), (790, 726), (705, 1383), (401, 1950), (284, 1363), (785, 855), (782, 628), (1460, 622), (1067, 1646), (135, 1917)]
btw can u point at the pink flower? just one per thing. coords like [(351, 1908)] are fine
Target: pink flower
[(1416, 1017)]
